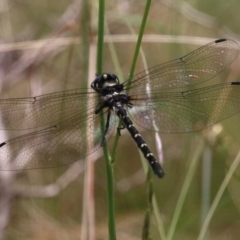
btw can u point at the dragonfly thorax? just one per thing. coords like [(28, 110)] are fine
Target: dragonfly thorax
[(112, 92)]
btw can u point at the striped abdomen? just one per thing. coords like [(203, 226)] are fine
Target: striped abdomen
[(122, 114)]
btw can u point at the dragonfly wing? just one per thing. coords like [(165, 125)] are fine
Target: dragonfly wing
[(45, 110), (196, 67), (55, 146), (194, 110)]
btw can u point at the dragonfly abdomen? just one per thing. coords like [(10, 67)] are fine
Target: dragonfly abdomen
[(147, 153)]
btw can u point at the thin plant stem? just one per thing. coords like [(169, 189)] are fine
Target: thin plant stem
[(146, 234), (139, 40), (185, 188), (109, 168), (206, 185), (218, 196), (88, 214), (158, 218)]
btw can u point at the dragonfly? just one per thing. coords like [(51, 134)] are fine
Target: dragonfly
[(66, 126)]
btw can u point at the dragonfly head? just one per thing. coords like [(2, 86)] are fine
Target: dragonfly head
[(104, 80)]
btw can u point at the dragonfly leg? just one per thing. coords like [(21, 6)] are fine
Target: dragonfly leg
[(119, 129)]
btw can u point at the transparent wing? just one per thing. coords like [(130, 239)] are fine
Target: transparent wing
[(196, 67), (73, 129), (48, 109), (179, 112), (55, 146)]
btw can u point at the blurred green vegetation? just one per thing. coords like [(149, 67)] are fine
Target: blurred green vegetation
[(53, 67)]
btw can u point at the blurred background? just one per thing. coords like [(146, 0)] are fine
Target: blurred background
[(48, 46)]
